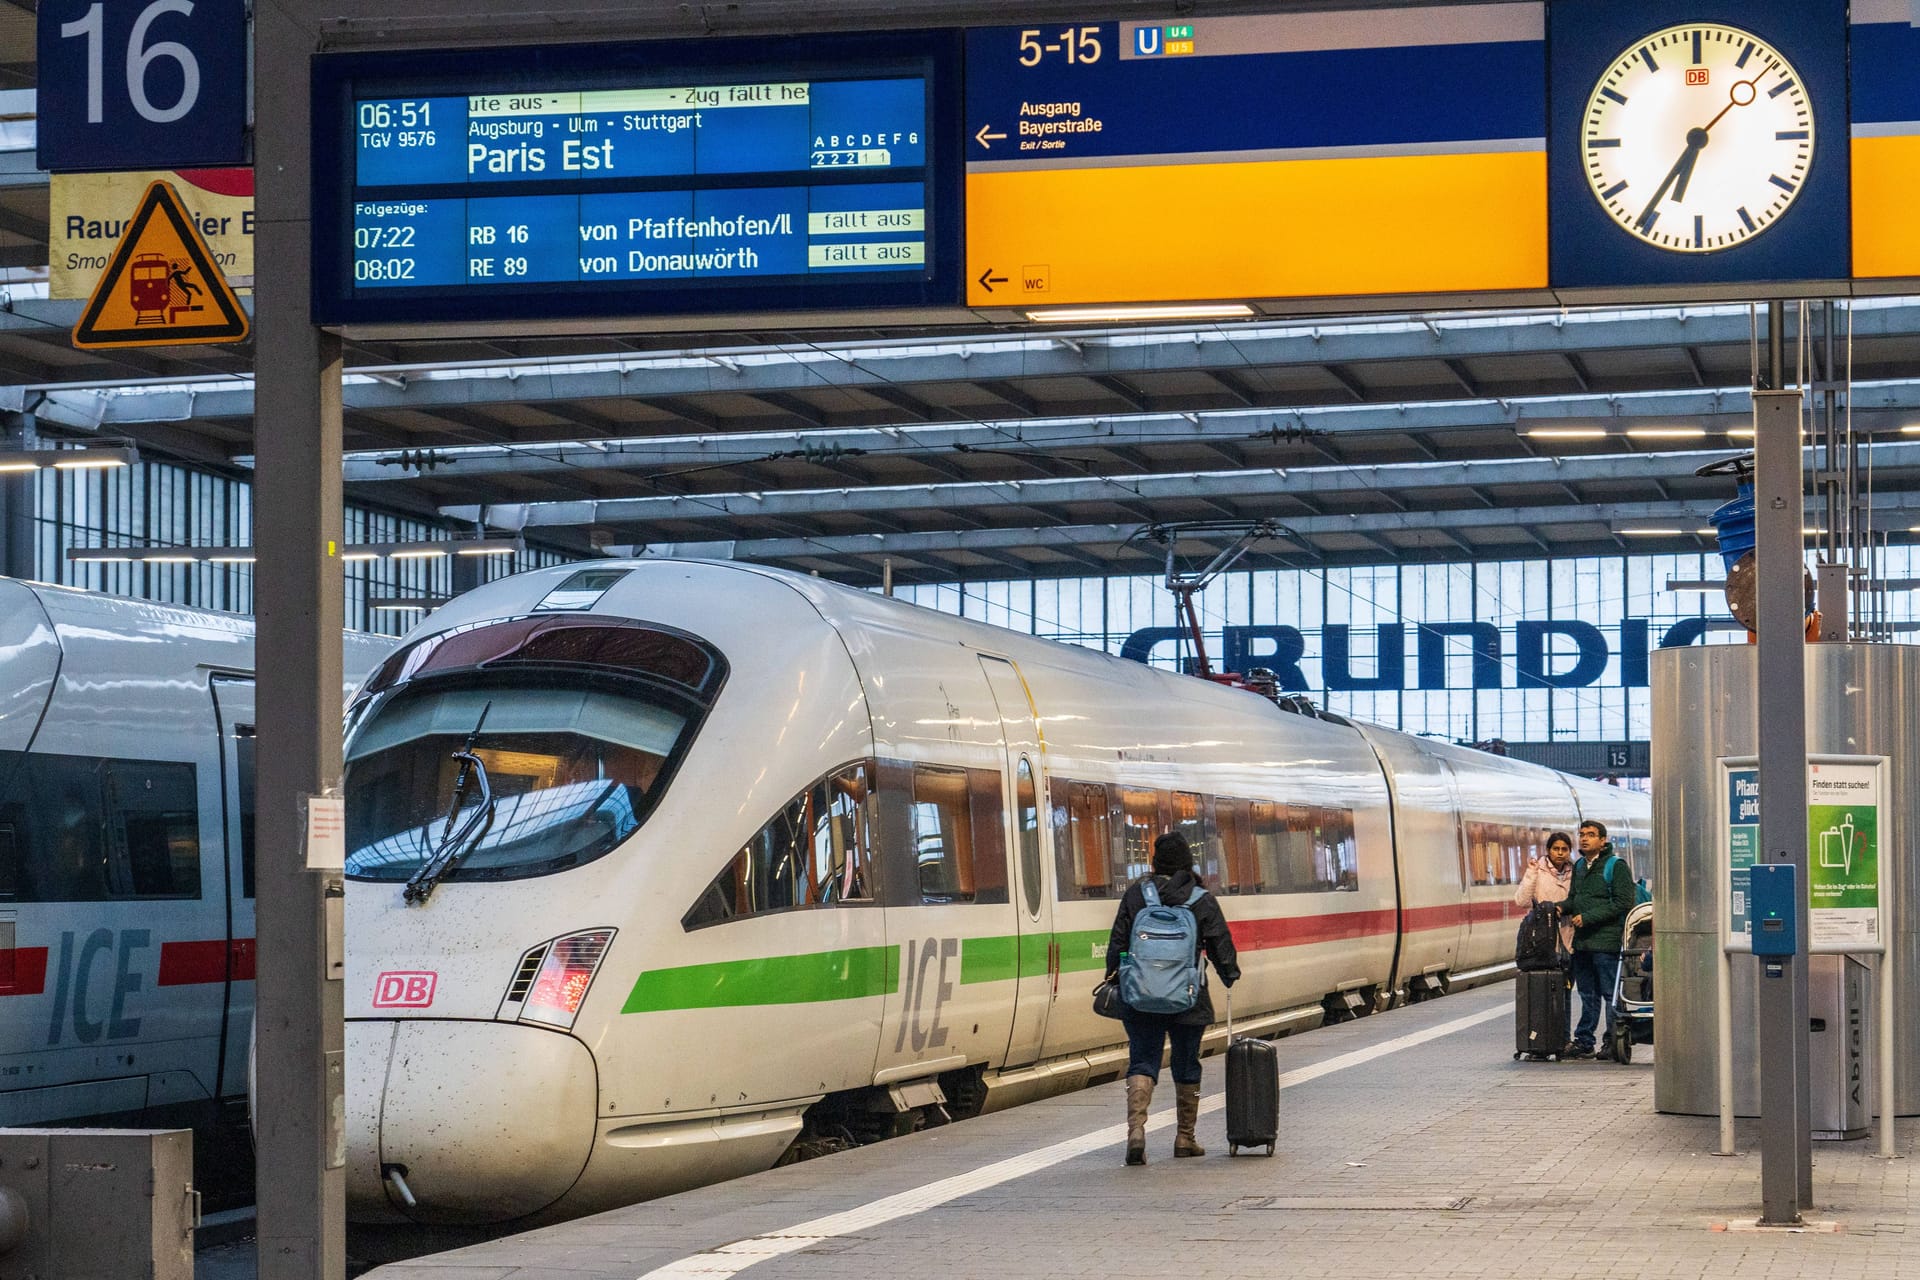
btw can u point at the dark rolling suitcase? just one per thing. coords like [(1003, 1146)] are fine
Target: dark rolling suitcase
[(1540, 1015), (1253, 1091)]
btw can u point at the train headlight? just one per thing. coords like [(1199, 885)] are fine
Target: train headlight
[(552, 979)]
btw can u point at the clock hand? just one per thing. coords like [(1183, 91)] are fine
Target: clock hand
[(1686, 173), (1682, 166)]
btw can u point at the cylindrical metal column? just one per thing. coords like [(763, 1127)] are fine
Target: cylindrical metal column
[(1859, 701)]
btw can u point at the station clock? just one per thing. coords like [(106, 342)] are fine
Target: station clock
[(1697, 138)]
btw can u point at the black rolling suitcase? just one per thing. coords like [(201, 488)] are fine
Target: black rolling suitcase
[(1253, 1091), (1540, 1014)]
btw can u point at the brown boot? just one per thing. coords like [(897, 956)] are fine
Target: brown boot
[(1186, 1102), (1139, 1098)]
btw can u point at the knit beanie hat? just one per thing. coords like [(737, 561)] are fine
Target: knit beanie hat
[(1171, 854)]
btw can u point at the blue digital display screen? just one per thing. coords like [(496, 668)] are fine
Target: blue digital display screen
[(598, 181)]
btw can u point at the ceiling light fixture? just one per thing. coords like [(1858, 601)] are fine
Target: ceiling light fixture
[(354, 553), (1666, 433), (1565, 433), (13, 461)]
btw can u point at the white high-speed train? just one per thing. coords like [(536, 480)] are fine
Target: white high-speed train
[(126, 858), (662, 868)]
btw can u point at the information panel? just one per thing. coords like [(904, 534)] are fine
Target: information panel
[(583, 181), (1388, 152)]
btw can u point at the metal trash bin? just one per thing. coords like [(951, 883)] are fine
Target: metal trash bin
[(1840, 1047)]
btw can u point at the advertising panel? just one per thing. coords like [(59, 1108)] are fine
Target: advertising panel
[(88, 213), (1843, 854)]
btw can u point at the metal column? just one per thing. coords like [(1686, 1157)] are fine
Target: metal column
[(299, 595), (1786, 1152), (19, 496)]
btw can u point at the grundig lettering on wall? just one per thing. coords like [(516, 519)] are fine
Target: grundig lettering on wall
[(1532, 665)]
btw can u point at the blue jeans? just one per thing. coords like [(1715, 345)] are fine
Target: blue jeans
[(1593, 975), (1147, 1035)]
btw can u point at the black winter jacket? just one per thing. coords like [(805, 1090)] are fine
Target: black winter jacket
[(1215, 940)]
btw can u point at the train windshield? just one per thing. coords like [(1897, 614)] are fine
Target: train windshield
[(572, 773)]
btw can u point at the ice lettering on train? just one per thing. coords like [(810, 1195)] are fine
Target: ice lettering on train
[(918, 971), (75, 978)]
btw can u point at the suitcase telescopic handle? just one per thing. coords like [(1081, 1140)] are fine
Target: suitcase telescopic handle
[(1229, 1015)]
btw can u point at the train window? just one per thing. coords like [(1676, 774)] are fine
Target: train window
[(243, 740), (1193, 818), (11, 872), (1082, 845), (1140, 825), (88, 830), (1026, 827), (152, 830), (1335, 862), (838, 810), (571, 772), (941, 818), (1235, 820), (815, 851)]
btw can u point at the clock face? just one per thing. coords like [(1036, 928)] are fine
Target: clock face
[(1697, 138)]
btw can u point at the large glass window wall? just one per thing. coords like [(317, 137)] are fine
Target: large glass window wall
[(1467, 652), (159, 504)]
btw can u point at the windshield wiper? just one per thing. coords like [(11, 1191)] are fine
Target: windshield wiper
[(453, 843)]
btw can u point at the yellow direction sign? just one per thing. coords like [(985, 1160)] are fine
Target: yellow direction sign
[(162, 288)]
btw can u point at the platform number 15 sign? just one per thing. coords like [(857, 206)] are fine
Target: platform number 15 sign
[(142, 84)]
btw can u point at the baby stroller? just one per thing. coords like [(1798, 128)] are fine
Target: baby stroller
[(1633, 985)]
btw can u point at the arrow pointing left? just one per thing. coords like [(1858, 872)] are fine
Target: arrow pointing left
[(983, 136)]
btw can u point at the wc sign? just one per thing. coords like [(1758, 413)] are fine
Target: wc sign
[(404, 989)]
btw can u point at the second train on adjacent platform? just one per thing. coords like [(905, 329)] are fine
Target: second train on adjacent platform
[(662, 869)]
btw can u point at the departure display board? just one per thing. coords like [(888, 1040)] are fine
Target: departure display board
[(615, 180)]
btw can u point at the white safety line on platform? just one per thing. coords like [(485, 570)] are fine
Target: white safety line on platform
[(731, 1259)]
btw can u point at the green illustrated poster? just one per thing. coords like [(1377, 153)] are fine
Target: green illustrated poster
[(1843, 854)]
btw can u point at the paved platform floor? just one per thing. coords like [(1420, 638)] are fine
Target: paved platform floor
[(1412, 1145)]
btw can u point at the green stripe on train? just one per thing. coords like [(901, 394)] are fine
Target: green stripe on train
[(991, 959), (801, 979), (852, 974)]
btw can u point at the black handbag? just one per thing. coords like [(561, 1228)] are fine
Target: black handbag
[(1106, 999)]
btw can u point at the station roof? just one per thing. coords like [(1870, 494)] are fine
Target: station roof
[(1437, 437)]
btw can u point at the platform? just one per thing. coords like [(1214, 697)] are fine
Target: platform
[(1411, 1145)]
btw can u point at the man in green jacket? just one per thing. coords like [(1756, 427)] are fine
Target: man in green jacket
[(1597, 904)]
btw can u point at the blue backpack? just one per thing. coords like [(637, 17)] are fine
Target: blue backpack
[(1640, 891), (1161, 971)]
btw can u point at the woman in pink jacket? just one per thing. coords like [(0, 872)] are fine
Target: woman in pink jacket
[(1548, 879)]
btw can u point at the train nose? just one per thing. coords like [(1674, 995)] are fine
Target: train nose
[(484, 1122)]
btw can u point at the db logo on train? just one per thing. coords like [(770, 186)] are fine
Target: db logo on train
[(402, 989)]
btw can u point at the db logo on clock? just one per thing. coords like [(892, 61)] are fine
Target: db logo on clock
[(1696, 75), (402, 989)]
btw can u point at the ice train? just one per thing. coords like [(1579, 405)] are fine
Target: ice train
[(660, 870), (126, 859)]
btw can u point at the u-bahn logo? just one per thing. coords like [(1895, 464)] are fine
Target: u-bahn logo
[(1536, 661)]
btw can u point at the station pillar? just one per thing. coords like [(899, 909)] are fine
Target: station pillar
[(1786, 1155), (300, 608)]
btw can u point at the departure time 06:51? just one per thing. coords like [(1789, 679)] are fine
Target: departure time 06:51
[(402, 123)]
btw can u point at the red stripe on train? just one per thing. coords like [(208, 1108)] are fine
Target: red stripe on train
[(187, 964), (1453, 915), (23, 971), (1300, 931)]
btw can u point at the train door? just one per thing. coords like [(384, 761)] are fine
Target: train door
[(233, 712), (1458, 877), (1035, 963)]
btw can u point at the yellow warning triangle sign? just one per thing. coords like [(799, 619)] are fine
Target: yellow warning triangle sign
[(162, 288)]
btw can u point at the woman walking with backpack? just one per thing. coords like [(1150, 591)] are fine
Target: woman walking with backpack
[(1172, 990)]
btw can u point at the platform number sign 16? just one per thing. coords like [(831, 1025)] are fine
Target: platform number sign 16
[(142, 84)]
